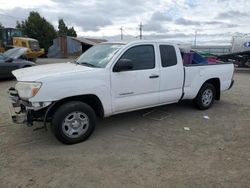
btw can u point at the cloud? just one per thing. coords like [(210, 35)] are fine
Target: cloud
[(161, 16), (183, 21), (230, 25), (232, 14), (95, 14), (156, 22), (10, 17), (177, 19), (154, 27), (90, 16), (87, 22), (191, 3)]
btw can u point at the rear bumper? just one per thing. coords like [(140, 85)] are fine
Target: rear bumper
[(231, 85)]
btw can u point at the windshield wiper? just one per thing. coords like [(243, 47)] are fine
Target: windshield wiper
[(75, 62), (87, 64)]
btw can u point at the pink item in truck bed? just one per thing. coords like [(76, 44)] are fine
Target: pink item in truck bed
[(212, 59), (188, 58)]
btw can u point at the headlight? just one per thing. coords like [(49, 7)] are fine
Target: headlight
[(27, 90)]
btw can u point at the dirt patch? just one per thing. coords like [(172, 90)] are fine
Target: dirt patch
[(129, 150)]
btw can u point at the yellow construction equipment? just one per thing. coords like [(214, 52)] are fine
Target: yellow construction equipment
[(10, 38), (34, 51)]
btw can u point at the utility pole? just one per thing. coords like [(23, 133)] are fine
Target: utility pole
[(140, 28), (121, 33), (195, 38)]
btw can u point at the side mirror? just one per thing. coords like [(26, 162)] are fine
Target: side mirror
[(123, 65)]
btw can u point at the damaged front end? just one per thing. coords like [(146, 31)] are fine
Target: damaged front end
[(25, 112), (17, 108)]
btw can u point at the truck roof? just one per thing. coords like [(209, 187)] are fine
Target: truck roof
[(182, 46), (148, 41)]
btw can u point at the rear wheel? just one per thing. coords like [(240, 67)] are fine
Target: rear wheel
[(205, 98), (73, 122)]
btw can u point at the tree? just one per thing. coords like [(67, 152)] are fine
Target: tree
[(63, 30), (39, 28), (19, 25), (71, 32), (1, 26)]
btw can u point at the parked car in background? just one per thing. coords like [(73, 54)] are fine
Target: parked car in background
[(12, 60), (112, 78)]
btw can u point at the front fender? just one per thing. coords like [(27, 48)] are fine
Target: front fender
[(59, 88)]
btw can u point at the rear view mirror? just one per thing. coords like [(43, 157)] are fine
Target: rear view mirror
[(123, 65)]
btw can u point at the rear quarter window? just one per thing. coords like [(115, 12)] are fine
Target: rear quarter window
[(168, 55)]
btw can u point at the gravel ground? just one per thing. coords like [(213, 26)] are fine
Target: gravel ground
[(131, 150)]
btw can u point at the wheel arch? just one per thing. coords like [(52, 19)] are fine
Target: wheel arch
[(92, 100), (216, 83)]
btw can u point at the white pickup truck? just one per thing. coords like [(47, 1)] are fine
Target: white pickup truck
[(112, 78)]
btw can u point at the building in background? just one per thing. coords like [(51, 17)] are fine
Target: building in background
[(66, 46)]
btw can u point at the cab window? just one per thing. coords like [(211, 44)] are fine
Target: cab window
[(168, 55), (24, 44), (142, 57)]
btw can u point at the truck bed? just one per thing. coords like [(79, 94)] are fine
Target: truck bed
[(195, 74)]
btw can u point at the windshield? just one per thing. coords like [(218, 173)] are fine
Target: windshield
[(3, 57), (99, 55), (34, 45), (15, 52)]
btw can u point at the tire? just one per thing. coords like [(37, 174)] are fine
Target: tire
[(205, 98), (73, 122)]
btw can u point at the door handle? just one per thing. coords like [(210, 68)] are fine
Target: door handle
[(154, 76)]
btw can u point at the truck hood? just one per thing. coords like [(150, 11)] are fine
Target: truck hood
[(44, 71)]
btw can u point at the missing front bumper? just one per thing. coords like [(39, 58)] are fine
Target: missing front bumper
[(17, 110), (17, 115)]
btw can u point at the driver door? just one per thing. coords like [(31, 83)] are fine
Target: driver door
[(139, 87)]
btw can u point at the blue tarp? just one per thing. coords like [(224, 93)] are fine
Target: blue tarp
[(193, 58), (198, 59)]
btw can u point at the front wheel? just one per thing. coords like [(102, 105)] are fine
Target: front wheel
[(73, 122), (205, 98)]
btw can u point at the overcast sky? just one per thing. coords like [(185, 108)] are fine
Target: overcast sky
[(215, 20)]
